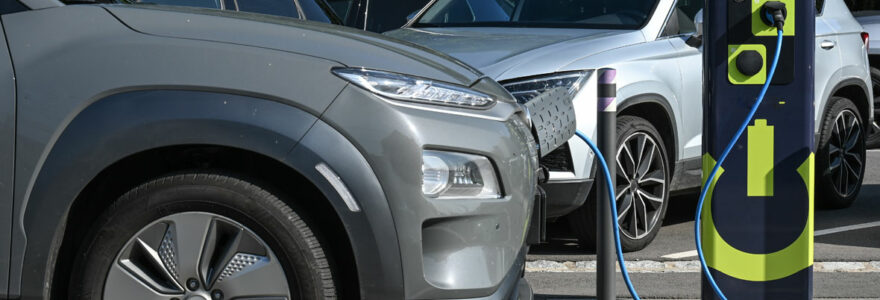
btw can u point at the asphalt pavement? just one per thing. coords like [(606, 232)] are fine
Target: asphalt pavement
[(847, 254)]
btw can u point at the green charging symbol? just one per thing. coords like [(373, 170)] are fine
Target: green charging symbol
[(760, 159)]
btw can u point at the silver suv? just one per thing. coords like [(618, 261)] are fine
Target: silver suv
[(536, 46), (159, 152)]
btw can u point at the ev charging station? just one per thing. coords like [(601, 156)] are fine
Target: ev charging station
[(754, 222), (757, 220)]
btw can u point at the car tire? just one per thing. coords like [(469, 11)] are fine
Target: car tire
[(840, 159), (219, 233), (632, 132), (873, 141)]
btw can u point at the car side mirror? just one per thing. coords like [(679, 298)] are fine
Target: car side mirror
[(696, 40)]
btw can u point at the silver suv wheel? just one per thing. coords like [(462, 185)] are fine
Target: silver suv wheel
[(844, 153), (642, 190), (196, 255), (840, 155), (641, 185)]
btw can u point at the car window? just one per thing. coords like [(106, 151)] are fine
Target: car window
[(285, 8), (681, 19), (820, 4), (384, 15), (862, 7), (342, 7), (318, 10), (612, 14), (194, 3)]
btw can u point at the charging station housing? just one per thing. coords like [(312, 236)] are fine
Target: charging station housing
[(757, 228)]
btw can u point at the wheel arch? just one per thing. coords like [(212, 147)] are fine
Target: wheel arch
[(645, 106), (139, 128), (858, 92)]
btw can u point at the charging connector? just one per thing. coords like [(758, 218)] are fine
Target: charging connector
[(774, 13)]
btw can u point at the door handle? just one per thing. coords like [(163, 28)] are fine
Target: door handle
[(827, 45)]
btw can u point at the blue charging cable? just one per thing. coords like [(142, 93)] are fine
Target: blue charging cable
[(601, 159), (721, 159)]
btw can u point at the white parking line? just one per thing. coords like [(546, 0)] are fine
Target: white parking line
[(681, 254), (845, 228), (686, 266)]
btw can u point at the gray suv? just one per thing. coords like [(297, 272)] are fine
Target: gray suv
[(158, 152), (537, 46)]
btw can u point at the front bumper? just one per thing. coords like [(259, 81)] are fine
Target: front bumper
[(566, 195), (461, 248)]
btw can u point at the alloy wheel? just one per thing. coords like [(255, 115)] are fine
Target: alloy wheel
[(641, 185), (844, 153), (196, 256)]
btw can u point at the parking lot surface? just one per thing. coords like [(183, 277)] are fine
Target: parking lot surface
[(847, 254)]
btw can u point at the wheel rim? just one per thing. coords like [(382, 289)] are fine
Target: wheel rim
[(196, 256), (845, 150), (641, 185)]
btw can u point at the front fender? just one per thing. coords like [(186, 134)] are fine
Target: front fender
[(125, 124), (371, 231)]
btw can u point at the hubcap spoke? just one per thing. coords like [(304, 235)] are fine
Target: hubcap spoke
[(643, 208), (621, 190), (170, 256), (655, 201), (142, 261), (121, 284), (653, 178), (646, 161), (191, 230), (634, 220), (260, 279), (624, 206), (629, 161), (853, 139)]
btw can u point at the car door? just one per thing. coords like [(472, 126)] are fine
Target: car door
[(7, 133), (828, 60), (679, 27)]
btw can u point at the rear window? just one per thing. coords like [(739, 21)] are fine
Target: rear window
[(862, 7)]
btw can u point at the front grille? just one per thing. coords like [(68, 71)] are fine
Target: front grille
[(559, 159)]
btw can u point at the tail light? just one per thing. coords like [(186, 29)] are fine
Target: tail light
[(866, 38)]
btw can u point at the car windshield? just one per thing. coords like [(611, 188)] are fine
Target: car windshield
[(861, 8), (611, 14)]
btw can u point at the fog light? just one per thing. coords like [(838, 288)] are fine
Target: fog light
[(450, 175)]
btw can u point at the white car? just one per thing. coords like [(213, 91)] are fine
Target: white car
[(536, 46)]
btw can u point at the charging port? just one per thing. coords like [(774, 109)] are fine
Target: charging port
[(773, 13)]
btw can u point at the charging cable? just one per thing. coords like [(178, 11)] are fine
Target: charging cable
[(711, 177), (601, 159)]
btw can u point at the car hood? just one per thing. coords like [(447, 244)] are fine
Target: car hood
[(354, 48), (504, 53)]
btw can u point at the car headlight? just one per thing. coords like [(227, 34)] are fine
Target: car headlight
[(524, 90), (452, 175), (414, 89)]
